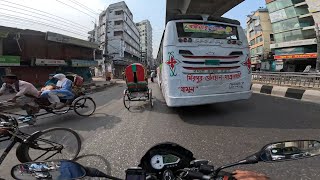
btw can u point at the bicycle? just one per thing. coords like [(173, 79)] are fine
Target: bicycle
[(31, 145)]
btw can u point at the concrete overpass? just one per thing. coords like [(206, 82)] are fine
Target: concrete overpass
[(210, 7)]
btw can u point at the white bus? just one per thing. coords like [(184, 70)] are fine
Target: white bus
[(204, 60)]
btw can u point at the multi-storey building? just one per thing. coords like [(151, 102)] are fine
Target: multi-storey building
[(119, 37), (145, 30), (259, 35)]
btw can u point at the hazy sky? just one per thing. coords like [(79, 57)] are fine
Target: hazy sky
[(25, 14)]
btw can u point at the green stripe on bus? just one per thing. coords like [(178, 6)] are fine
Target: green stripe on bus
[(212, 62)]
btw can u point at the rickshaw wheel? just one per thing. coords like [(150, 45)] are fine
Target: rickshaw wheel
[(85, 106), (150, 98), (126, 99)]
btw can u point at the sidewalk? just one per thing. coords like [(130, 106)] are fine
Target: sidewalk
[(98, 83)]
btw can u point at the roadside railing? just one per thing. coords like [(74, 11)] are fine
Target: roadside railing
[(305, 80)]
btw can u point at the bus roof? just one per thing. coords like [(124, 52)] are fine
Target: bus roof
[(199, 17)]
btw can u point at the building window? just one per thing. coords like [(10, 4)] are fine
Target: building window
[(117, 23), (259, 39), (118, 12), (252, 42), (260, 50), (118, 33), (252, 33), (287, 13), (271, 37), (286, 25), (276, 5), (253, 51), (289, 36)]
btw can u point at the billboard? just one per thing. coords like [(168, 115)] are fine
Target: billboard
[(50, 36), (9, 60), (296, 56)]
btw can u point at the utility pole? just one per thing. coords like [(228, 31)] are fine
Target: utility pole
[(317, 28)]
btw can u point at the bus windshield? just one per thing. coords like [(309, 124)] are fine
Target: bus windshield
[(207, 30)]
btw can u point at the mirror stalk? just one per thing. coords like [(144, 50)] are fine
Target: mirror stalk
[(249, 160)]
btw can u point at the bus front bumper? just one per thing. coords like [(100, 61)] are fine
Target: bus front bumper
[(206, 99)]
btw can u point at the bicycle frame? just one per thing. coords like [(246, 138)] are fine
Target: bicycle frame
[(9, 147), (15, 139)]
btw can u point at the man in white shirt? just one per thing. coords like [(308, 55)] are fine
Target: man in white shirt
[(25, 92)]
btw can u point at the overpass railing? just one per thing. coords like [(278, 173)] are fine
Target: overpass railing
[(305, 80)]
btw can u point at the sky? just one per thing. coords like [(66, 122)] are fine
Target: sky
[(76, 20)]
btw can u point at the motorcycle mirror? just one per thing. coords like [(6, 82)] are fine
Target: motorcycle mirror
[(56, 169), (290, 150), (280, 151)]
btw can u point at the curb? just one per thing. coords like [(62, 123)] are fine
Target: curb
[(96, 88), (287, 92)]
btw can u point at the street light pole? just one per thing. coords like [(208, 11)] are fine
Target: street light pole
[(317, 28)]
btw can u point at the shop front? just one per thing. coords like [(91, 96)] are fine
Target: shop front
[(82, 68), (6, 62), (297, 62), (118, 68)]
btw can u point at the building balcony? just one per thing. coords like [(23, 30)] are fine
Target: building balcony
[(308, 28), (305, 15), (301, 4)]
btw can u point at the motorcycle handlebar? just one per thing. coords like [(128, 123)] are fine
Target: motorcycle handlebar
[(190, 174), (93, 172)]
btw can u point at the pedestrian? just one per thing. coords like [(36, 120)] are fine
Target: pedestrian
[(152, 76)]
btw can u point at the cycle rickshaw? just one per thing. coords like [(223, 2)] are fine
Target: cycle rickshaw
[(81, 104), (137, 85)]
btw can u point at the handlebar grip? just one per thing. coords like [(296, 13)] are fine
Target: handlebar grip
[(226, 175)]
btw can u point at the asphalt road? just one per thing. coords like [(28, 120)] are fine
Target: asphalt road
[(221, 133)]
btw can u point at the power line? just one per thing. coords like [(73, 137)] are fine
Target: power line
[(37, 22), (46, 13), (84, 7), (82, 31), (75, 8), (18, 23), (51, 18)]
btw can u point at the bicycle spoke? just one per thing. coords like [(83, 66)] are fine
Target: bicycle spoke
[(41, 156), (52, 155)]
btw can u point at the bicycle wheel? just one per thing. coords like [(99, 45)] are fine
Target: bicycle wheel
[(85, 106), (4, 118), (53, 143), (126, 99), (150, 98)]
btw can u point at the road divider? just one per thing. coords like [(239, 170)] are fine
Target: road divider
[(288, 92)]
